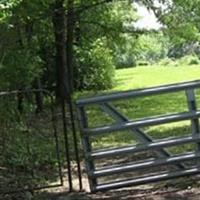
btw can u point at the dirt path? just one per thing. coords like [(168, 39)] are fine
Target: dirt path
[(180, 189), (124, 194), (188, 194)]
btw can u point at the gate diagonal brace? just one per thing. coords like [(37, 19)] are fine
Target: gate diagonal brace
[(140, 135)]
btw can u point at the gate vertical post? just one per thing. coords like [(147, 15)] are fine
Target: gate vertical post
[(66, 138), (192, 106), (55, 131), (75, 142), (86, 146)]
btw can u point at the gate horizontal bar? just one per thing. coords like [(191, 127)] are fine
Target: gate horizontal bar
[(138, 134), (141, 92), (145, 180), (143, 165), (143, 122), (145, 147)]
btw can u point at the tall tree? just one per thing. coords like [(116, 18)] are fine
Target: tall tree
[(59, 22), (41, 30), (70, 43)]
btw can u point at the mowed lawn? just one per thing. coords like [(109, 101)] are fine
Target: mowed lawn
[(140, 77)]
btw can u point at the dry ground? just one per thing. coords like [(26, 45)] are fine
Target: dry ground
[(130, 194), (180, 189)]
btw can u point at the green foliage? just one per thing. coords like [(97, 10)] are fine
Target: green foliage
[(152, 47), (189, 60), (146, 48), (182, 21), (125, 55), (121, 14), (25, 32), (167, 62), (107, 21), (6, 6), (28, 40), (180, 50), (125, 61), (20, 70), (96, 69), (27, 144)]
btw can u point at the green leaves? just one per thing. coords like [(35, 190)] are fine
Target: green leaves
[(25, 29), (96, 69), (20, 70), (5, 8), (182, 21)]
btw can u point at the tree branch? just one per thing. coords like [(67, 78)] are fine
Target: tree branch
[(81, 9)]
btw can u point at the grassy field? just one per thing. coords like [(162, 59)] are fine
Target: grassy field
[(141, 77)]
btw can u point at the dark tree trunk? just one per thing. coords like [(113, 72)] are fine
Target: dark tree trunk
[(62, 88), (78, 80), (38, 96), (70, 40), (20, 99)]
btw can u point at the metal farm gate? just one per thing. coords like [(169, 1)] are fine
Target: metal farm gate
[(163, 165)]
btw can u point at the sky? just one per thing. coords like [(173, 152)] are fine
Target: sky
[(147, 19)]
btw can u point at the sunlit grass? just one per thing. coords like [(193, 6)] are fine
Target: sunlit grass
[(148, 76)]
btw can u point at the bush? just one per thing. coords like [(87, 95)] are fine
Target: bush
[(189, 60), (167, 62), (125, 61), (152, 47), (96, 68), (180, 50), (19, 70)]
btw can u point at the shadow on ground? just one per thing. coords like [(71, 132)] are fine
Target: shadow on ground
[(165, 193), (122, 194)]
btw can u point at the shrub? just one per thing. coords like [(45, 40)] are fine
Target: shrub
[(125, 61), (19, 70), (96, 68), (152, 47), (167, 62), (180, 50), (189, 60), (194, 61)]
